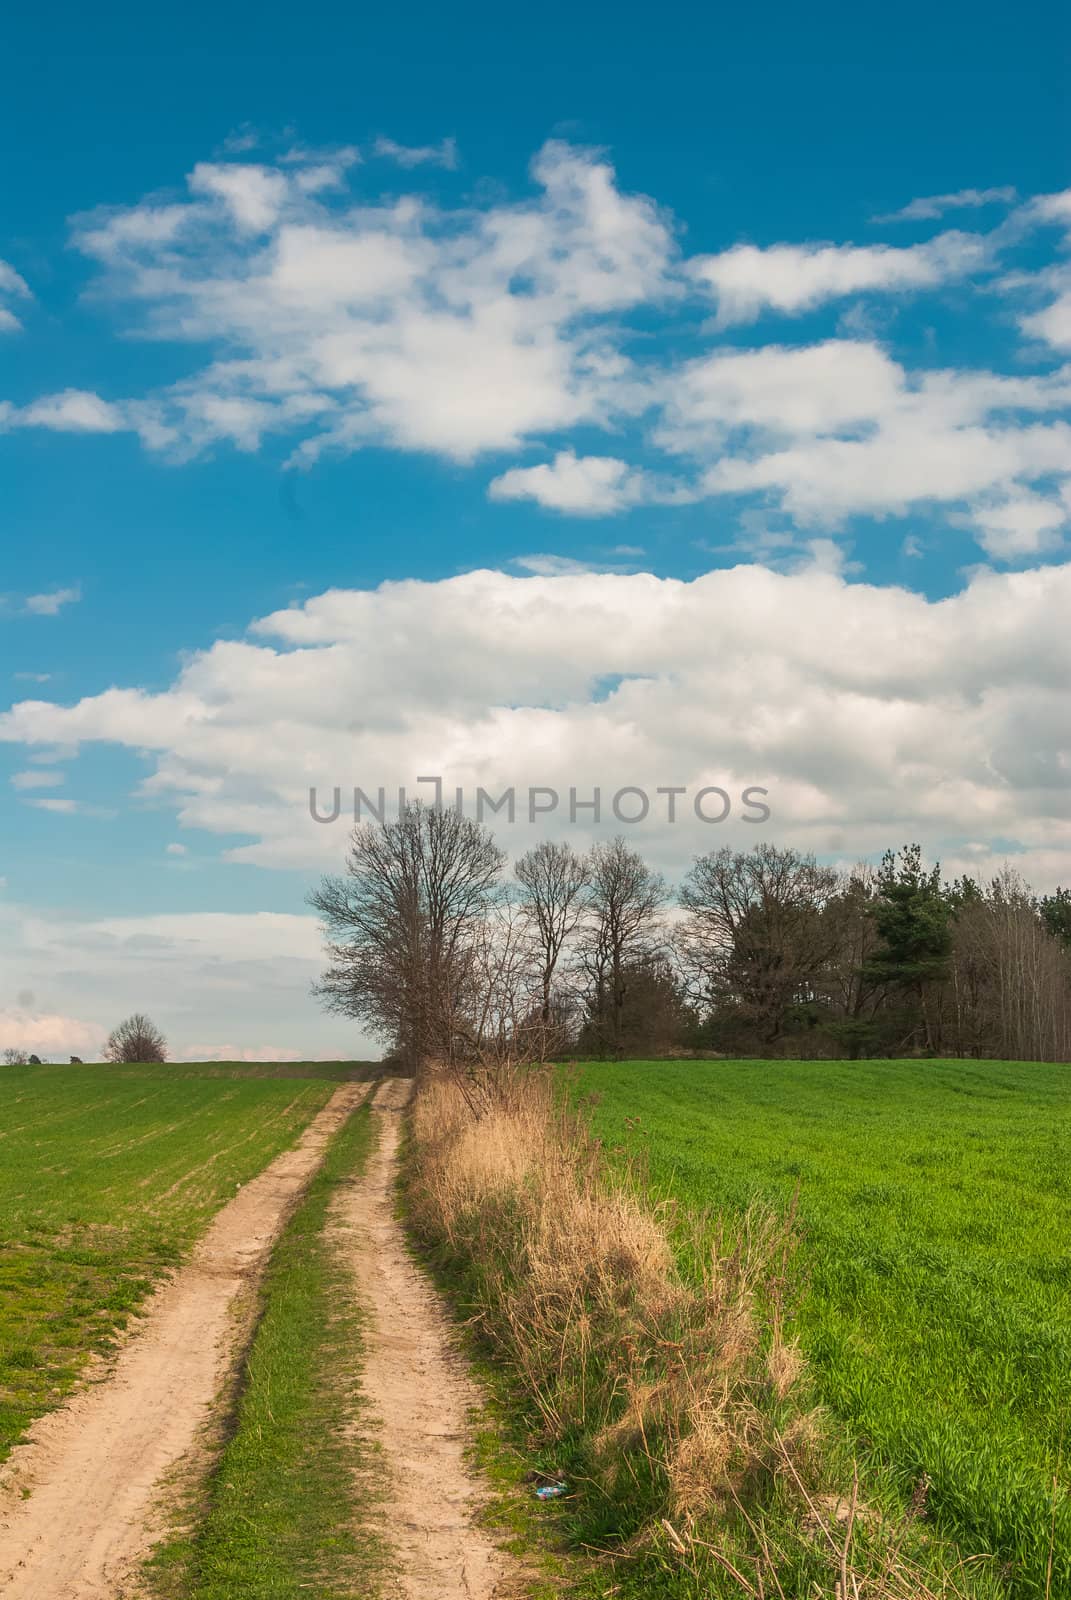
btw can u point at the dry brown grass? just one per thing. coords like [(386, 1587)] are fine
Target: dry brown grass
[(691, 1402), (579, 1287)]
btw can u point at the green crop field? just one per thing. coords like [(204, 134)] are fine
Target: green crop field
[(935, 1262), (106, 1176)]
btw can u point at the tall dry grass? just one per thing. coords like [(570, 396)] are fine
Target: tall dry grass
[(682, 1405)]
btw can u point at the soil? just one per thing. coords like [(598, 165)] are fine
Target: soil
[(417, 1387)]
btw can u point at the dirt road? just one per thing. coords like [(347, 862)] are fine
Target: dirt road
[(417, 1386), (93, 1465)]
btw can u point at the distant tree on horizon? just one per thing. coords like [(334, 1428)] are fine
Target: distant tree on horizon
[(137, 1039)]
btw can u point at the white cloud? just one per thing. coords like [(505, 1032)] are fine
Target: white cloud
[(351, 324), (38, 778), (332, 322), (443, 154), (870, 714), (583, 485), (1022, 525), (1052, 323), (747, 280), (824, 555), (51, 603), (929, 207), (12, 287), (1049, 207), (11, 282), (906, 464), (839, 429), (816, 389), (73, 411), (253, 196), (589, 486), (175, 850)]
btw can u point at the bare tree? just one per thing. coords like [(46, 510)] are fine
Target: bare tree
[(552, 878), (15, 1058), (1009, 987), (853, 998), (755, 933), (402, 926), (623, 902), (138, 1039)]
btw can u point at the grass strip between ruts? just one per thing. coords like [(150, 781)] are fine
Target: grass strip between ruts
[(280, 1515)]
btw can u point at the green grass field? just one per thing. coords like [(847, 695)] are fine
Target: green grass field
[(106, 1176), (935, 1294)]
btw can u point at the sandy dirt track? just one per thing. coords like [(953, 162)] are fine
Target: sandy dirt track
[(417, 1387), (92, 1466)]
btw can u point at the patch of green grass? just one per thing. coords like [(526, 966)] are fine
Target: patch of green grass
[(330, 1071), (106, 1177), (656, 1396), (277, 1520), (935, 1209)]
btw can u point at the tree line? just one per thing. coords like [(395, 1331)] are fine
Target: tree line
[(446, 957)]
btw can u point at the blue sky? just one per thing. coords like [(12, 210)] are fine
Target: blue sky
[(296, 306)]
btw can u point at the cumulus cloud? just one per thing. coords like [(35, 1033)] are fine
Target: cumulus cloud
[(747, 280), (1022, 525), (583, 485), (334, 320), (352, 322), (869, 714), (906, 464), (778, 391), (840, 429), (72, 411)]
